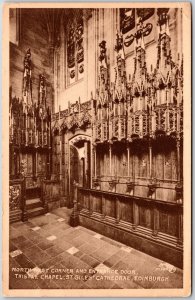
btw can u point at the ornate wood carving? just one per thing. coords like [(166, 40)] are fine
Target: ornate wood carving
[(149, 104), (146, 108), (27, 81), (15, 197), (29, 123)]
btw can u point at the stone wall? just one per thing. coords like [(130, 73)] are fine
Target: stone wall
[(33, 35)]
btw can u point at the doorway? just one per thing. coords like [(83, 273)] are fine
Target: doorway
[(79, 164)]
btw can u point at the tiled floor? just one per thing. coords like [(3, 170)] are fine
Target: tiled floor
[(46, 252)]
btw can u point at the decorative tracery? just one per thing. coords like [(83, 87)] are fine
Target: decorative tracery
[(75, 48)]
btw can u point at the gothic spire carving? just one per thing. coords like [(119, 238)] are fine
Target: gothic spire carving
[(42, 90), (140, 70), (27, 80), (120, 84), (164, 57), (103, 84)]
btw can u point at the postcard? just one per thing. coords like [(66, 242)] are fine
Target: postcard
[(96, 149)]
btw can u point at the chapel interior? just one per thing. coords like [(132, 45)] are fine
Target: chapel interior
[(96, 122)]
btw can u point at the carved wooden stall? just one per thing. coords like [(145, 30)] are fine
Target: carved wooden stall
[(16, 200), (136, 196), (30, 145), (150, 225), (135, 126)]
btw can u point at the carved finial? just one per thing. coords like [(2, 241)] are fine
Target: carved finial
[(162, 15), (102, 46), (42, 89), (27, 84), (27, 63), (119, 42)]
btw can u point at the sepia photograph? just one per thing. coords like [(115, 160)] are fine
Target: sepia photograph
[(97, 149)]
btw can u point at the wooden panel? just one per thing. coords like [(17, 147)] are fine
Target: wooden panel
[(136, 166), (39, 162), (131, 166), (145, 216), (86, 201), (159, 220), (80, 198), (102, 160), (110, 207), (168, 166), (168, 223), (159, 166), (98, 162), (96, 203), (106, 163), (174, 165), (165, 164), (144, 164), (24, 162), (119, 164), (126, 209)]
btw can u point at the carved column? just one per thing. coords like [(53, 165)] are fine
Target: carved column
[(23, 204), (55, 66), (86, 17), (103, 206), (74, 218), (48, 169), (69, 200), (91, 166), (12, 160), (60, 155), (152, 181), (90, 203), (180, 226), (135, 215), (150, 160), (35, 163), (118, 212), (178, 161), (128, 160), (41, 132), (110, 159), (87, 165), (26, 129), (155, 221), (179, 185), (95, 160)]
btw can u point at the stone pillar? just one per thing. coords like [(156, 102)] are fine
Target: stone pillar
[(74, 217)]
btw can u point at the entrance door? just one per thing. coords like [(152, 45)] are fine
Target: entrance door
[(79, 167)]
